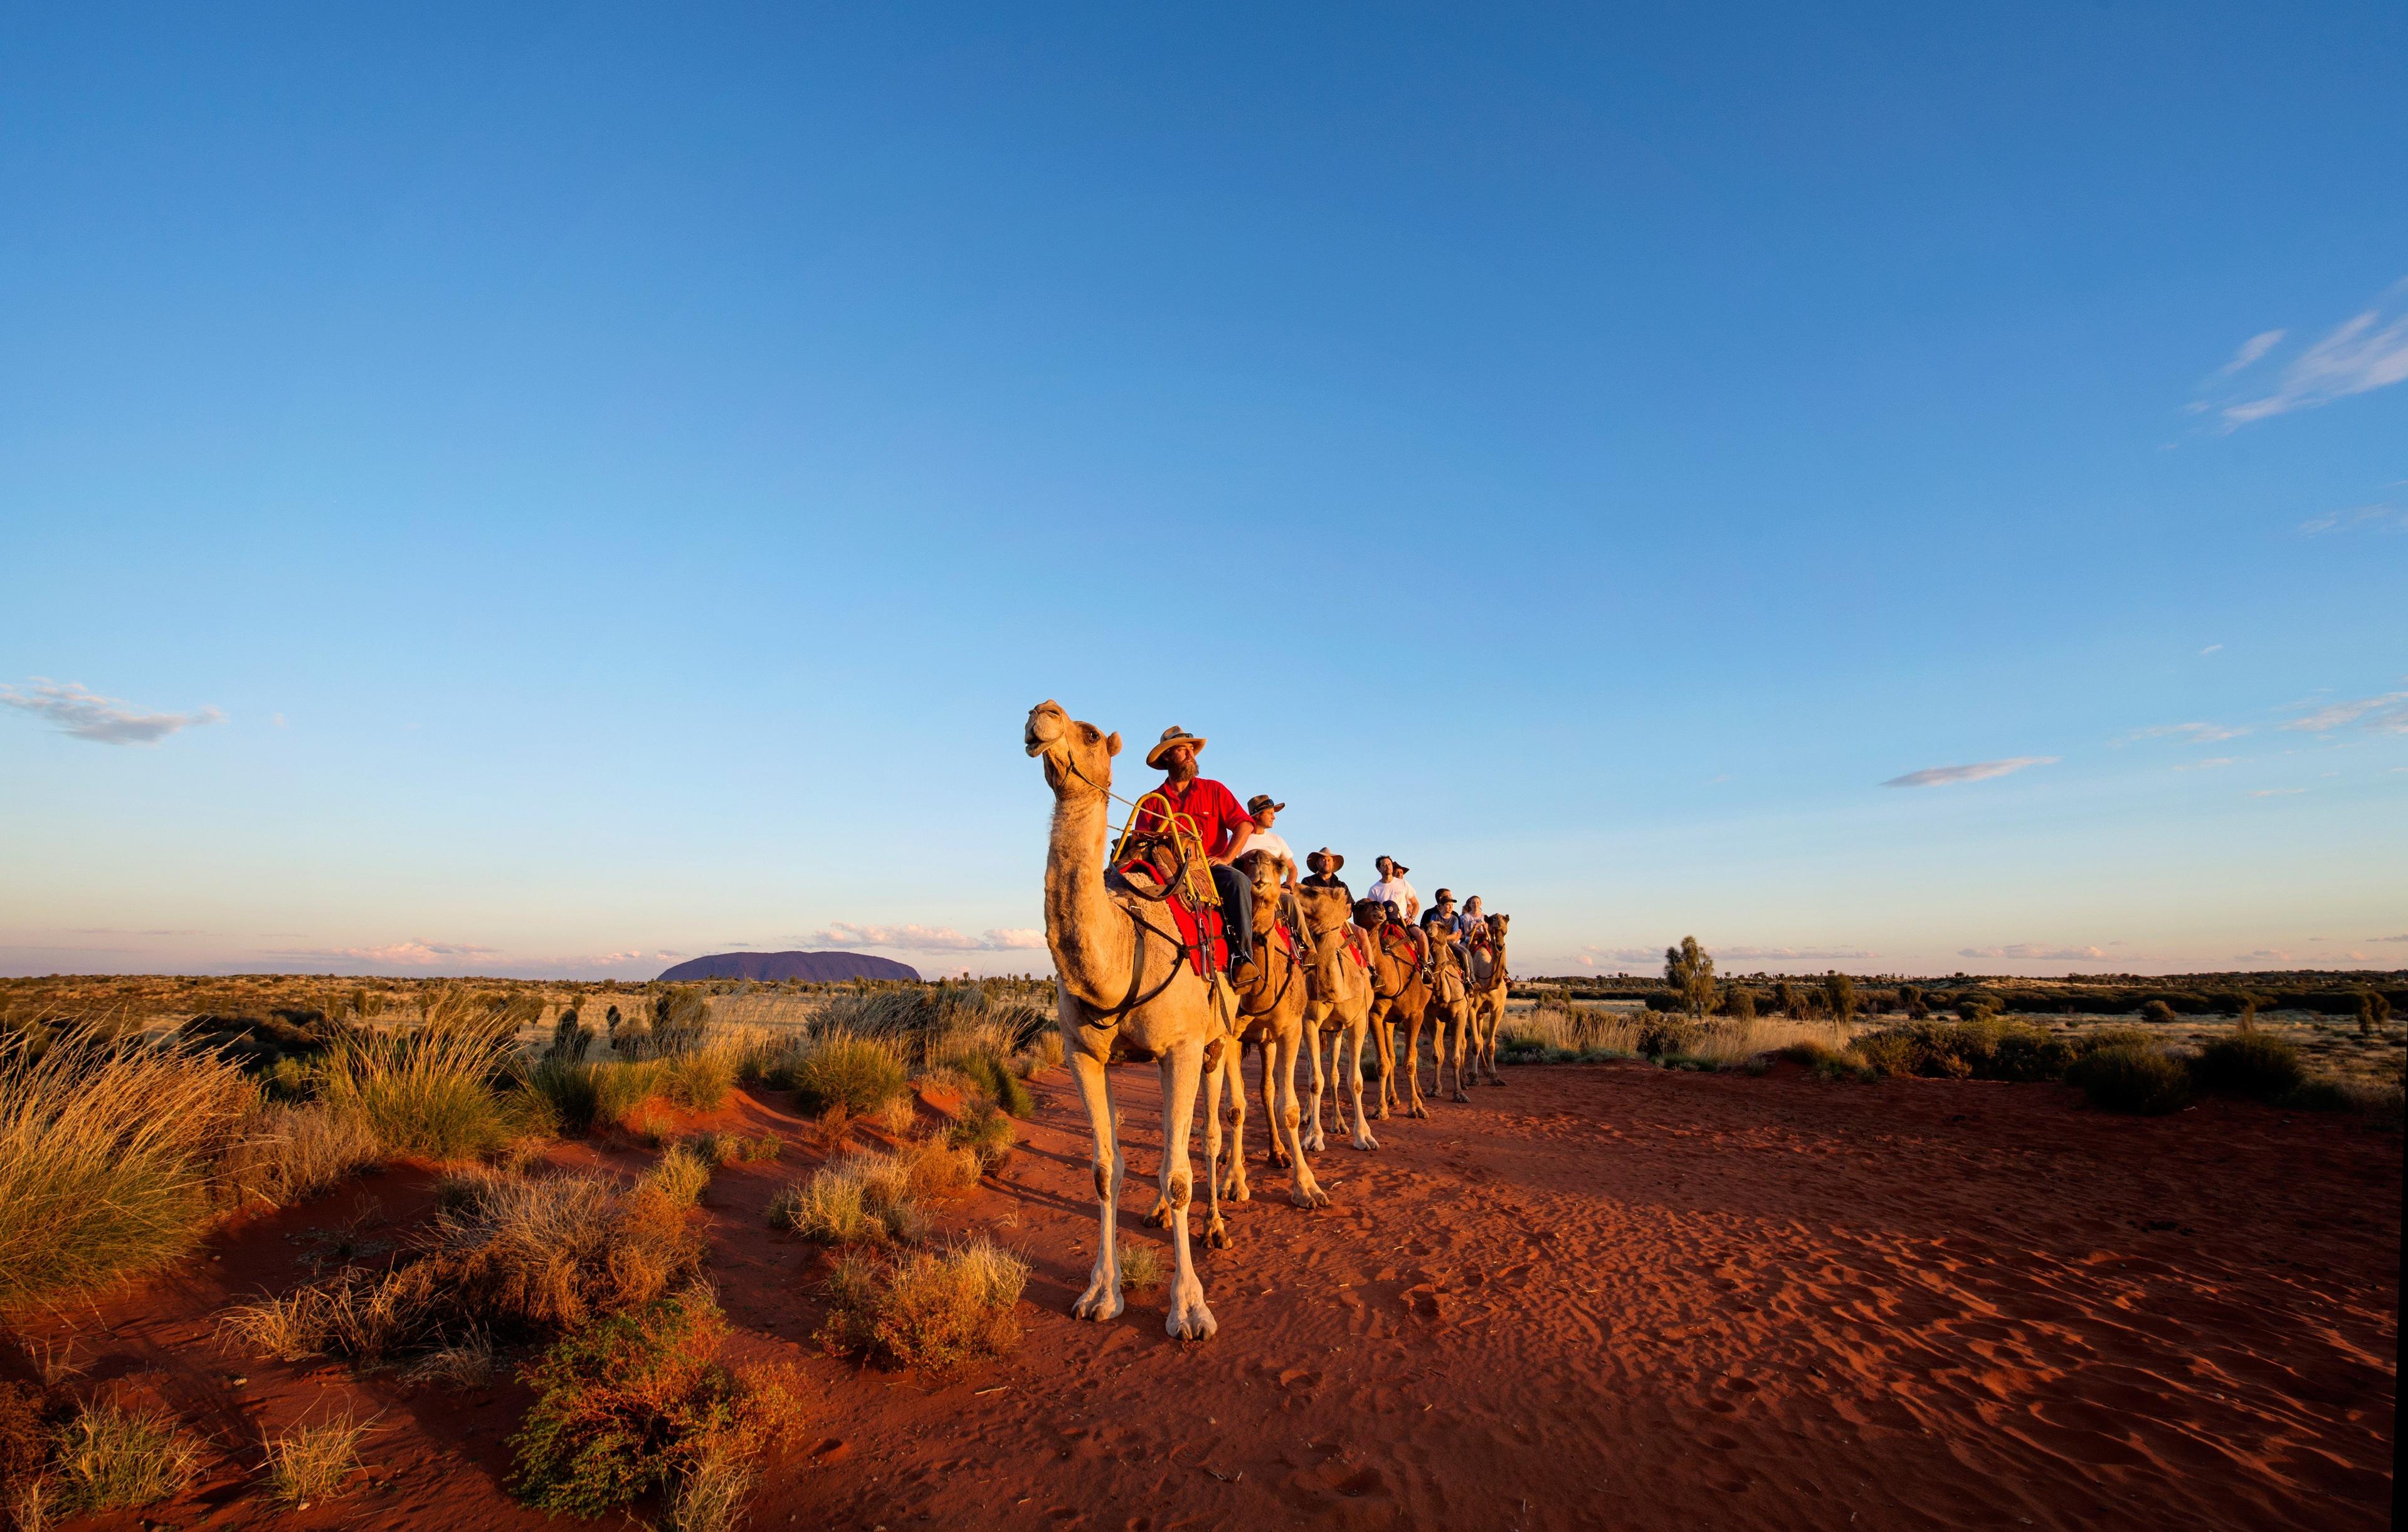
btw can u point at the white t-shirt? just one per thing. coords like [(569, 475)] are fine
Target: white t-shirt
[(1272, 841), (1397, 892)]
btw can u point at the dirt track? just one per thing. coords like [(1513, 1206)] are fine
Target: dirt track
[(1599, 1296)]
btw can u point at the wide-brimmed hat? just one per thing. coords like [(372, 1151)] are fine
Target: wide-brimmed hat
[(1172, 736), (1445, 896), (1324, 861), (1261, 801)]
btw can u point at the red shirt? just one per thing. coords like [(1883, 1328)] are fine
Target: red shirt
[(1213, 809)]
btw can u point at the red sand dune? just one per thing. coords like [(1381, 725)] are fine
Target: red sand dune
[(1602, 1295)]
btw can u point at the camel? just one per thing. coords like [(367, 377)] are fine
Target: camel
[(1124, 990), (1340, 1007), (1399, 998), (1487, 982), (1449, 1012), (1270, 1015)]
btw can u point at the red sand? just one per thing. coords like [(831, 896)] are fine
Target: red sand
[(1600, 1295)]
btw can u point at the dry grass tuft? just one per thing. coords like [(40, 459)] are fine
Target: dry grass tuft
[(987, 1133), (466, 1364), (935, 1312), (309, 1463), (427, 1092), (1141, 1267), (680, 1175), (861, 1074), (109, 1457), (112, 1159), (292, 1153)]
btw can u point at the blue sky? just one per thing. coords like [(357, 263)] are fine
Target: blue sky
[(539, 493)]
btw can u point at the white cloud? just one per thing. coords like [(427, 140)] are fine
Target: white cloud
[(414, 953), (925, 938), (2385, 714), (2382, 517), (1794, 954), (2025, 952), (1621, 957), (2362, 353), (2251, 350), (77, 709), (2189, 734), (1978, 770), (2211, 648), (2263, 955), (2277, 792), (2210, 761)]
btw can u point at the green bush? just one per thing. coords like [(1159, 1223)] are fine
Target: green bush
[(1985, 1048), (572, 1088), (625, 1406), (428, 1093), (111, 1457), (621, 1087), (987, 1132), (1663, 1032), (2157, 1012), (700, 1079), (855, 1072), (2253, 1063), (1000, 1084), (2132, 1077)]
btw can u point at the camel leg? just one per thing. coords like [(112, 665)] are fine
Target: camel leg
[(1189, 1319), (1459, 1040), (1273, 1049), (1382, 1036), (1492, 1022), (1102, 1299), (1216, 1076), (1357, 1037), (1311, 1042), (1305, 1192), (1413, 1066), (1234, 1183)]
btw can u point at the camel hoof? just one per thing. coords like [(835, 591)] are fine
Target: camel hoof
[(1216, 1236), (1160, 1217), (1419, 1110), (1190, 1321), (1464, 1097), (1309, 1197), (1239, 1191), (1098, 1306), (1366, 1143)]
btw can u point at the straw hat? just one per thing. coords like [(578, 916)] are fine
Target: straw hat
[(1261, 801), (1172, 736)]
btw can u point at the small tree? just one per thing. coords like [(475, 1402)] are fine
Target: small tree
[(2373, 1009), (1786, 1000), (1910, 1000), (1741, 1004), (1840, 991), (1689, 974)]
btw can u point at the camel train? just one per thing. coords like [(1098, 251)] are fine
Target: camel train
[(1132, 986)]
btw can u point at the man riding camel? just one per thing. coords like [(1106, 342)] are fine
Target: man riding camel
[(1222, 827), (1321, 868)]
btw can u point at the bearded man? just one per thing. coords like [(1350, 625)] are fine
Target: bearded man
[(1219, 824)]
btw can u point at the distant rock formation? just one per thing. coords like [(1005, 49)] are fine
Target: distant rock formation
[(815, 968)]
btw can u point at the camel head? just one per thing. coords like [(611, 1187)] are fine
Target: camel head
[(1496, 925), (1073, 752), (1325, 908), (1262, 870)]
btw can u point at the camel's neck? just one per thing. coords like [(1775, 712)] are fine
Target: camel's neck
[(1090, 946)]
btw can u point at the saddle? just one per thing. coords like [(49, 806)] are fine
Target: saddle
[(1153, 873)]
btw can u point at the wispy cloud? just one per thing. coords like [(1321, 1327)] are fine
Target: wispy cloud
[(1795, 954), (2401, 938), (2277, 792), (2211, 648), (2251, 350), (2026, 951), (2381, 516), (77, 709), (414, 953), (2189, 734), (1976, 771), (2384, 714), (925, 938), (2364, 353), (2263, 955), (2210, 761)]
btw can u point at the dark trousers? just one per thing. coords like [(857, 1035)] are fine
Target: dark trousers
[(1236, 910)]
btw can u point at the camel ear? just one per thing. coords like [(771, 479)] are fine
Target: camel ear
[(1112, 743)]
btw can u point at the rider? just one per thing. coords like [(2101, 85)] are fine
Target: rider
[(1266, 813), (1321, 871), (1442, 912), (1393, 889), (1471, 925), (1221, 825)]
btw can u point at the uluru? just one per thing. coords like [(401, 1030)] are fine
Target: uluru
[(813, 968)]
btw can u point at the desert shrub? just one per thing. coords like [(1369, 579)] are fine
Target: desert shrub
[(639, 1403), (108, 1456), (867, 1196), (2132, 1077), (1141, 1267), (1046, 1048), (572, 1087), (2374, 1011), (1985, 1048), (935, 1312), (1667, 1033), (700, 1077), (680, 1015), (311, 1462), (112, 1157), (2156, 1011), (426, 1093), (987, 1133), (1739, 1004), (680, 1175), (1886, 1053), (1825, 1061), (859, 1073), (622, 1087), (996, 1081), (289, 1078), (2253, 1063), (933, 1166), (896, 1114)]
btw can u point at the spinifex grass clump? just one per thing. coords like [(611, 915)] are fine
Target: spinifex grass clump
[(311, 1462), (110, 1155), (987, 1133), (999, 1083), (862, 1074), (427, 1092), (933, 1311), (109, 1456)]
